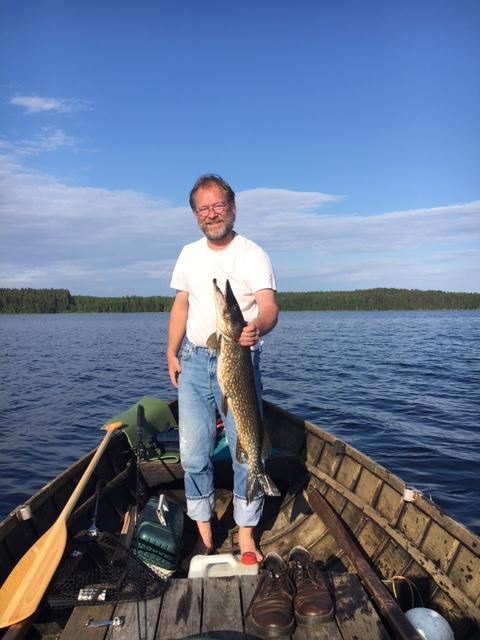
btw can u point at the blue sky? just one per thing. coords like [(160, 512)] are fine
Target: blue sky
[(349, 130)]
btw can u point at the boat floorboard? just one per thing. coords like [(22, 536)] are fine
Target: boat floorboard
[(214, 608)]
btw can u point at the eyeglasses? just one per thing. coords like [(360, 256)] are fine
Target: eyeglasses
[(218, 208)]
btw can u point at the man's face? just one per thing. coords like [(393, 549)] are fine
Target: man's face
[(216, 225)]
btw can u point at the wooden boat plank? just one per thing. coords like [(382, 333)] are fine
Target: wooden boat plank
[(76, 628), (412, 523), (157, 472), (463, 573), (180, 614), (324, 631), (369, 535), (222, 607), (141, 620), (355, 614), (388, 504)]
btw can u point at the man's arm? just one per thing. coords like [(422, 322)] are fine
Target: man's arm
[(264, 322), (176, 330)]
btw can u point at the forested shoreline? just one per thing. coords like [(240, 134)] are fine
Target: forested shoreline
[(381, 299), (62, 301)]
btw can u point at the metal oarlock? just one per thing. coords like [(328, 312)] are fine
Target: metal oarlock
[(117, 621)]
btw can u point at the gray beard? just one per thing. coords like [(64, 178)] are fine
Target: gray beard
[(222, 232)]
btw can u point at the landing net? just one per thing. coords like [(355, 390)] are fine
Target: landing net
[(101, 571)]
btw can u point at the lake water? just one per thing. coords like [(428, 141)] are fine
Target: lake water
[(403, 387)]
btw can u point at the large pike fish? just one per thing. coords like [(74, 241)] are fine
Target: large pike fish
[(235, 378)]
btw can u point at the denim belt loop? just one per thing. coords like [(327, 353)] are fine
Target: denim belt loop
[(196, 348)]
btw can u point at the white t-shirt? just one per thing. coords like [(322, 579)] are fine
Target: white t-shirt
[(242, 262)]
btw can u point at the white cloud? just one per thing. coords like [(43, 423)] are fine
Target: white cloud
[(47, 140), (430, 270), (38, 104), (299, 226), (280, 202), (91, 275), (103, 241), (36, 199)]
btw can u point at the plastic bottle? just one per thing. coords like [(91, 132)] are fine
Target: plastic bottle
[(223, 564)]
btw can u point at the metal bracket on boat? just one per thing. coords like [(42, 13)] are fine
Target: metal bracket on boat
[(24, 512), (162, 509), (410, 494), (117, 621)]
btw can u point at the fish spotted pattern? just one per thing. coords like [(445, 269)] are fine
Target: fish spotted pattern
[(236, 381)]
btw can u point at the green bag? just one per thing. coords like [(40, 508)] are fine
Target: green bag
[(157, 417)]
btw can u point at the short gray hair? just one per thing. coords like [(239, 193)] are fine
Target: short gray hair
[(209, 179)]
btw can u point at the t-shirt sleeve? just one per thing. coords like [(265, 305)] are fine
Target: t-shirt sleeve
[(260, 272), (179, 280)]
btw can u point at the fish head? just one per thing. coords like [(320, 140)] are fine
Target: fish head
[(230, 320)]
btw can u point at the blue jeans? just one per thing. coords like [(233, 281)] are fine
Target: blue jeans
[(198, 397)]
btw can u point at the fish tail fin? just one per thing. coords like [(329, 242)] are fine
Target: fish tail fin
[(257, 482), (268, 485)]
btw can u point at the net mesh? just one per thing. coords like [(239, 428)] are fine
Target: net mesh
[(99, 571)]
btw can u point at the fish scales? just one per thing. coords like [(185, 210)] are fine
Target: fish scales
[(237, 384), (236, 380)]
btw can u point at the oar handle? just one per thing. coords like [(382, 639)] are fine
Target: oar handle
[(68, 508)]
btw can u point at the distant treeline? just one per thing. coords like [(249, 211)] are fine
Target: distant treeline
[(377, 300), (61, 301)]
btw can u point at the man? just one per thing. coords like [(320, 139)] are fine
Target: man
[(222, 254)]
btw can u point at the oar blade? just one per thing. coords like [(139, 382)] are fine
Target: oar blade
[(24, 588), (22, 591)]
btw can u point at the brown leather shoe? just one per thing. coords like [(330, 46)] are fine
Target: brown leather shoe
[(271, 608), (312, 603)]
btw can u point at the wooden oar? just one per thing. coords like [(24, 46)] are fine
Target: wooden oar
[(22, 591), (400, 624)]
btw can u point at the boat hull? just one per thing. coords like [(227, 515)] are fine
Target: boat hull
[(423, 556)]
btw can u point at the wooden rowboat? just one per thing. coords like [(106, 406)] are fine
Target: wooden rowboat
[(366, 529)]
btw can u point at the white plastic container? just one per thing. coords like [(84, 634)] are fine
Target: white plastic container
[(430, 624), (222, 564)]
